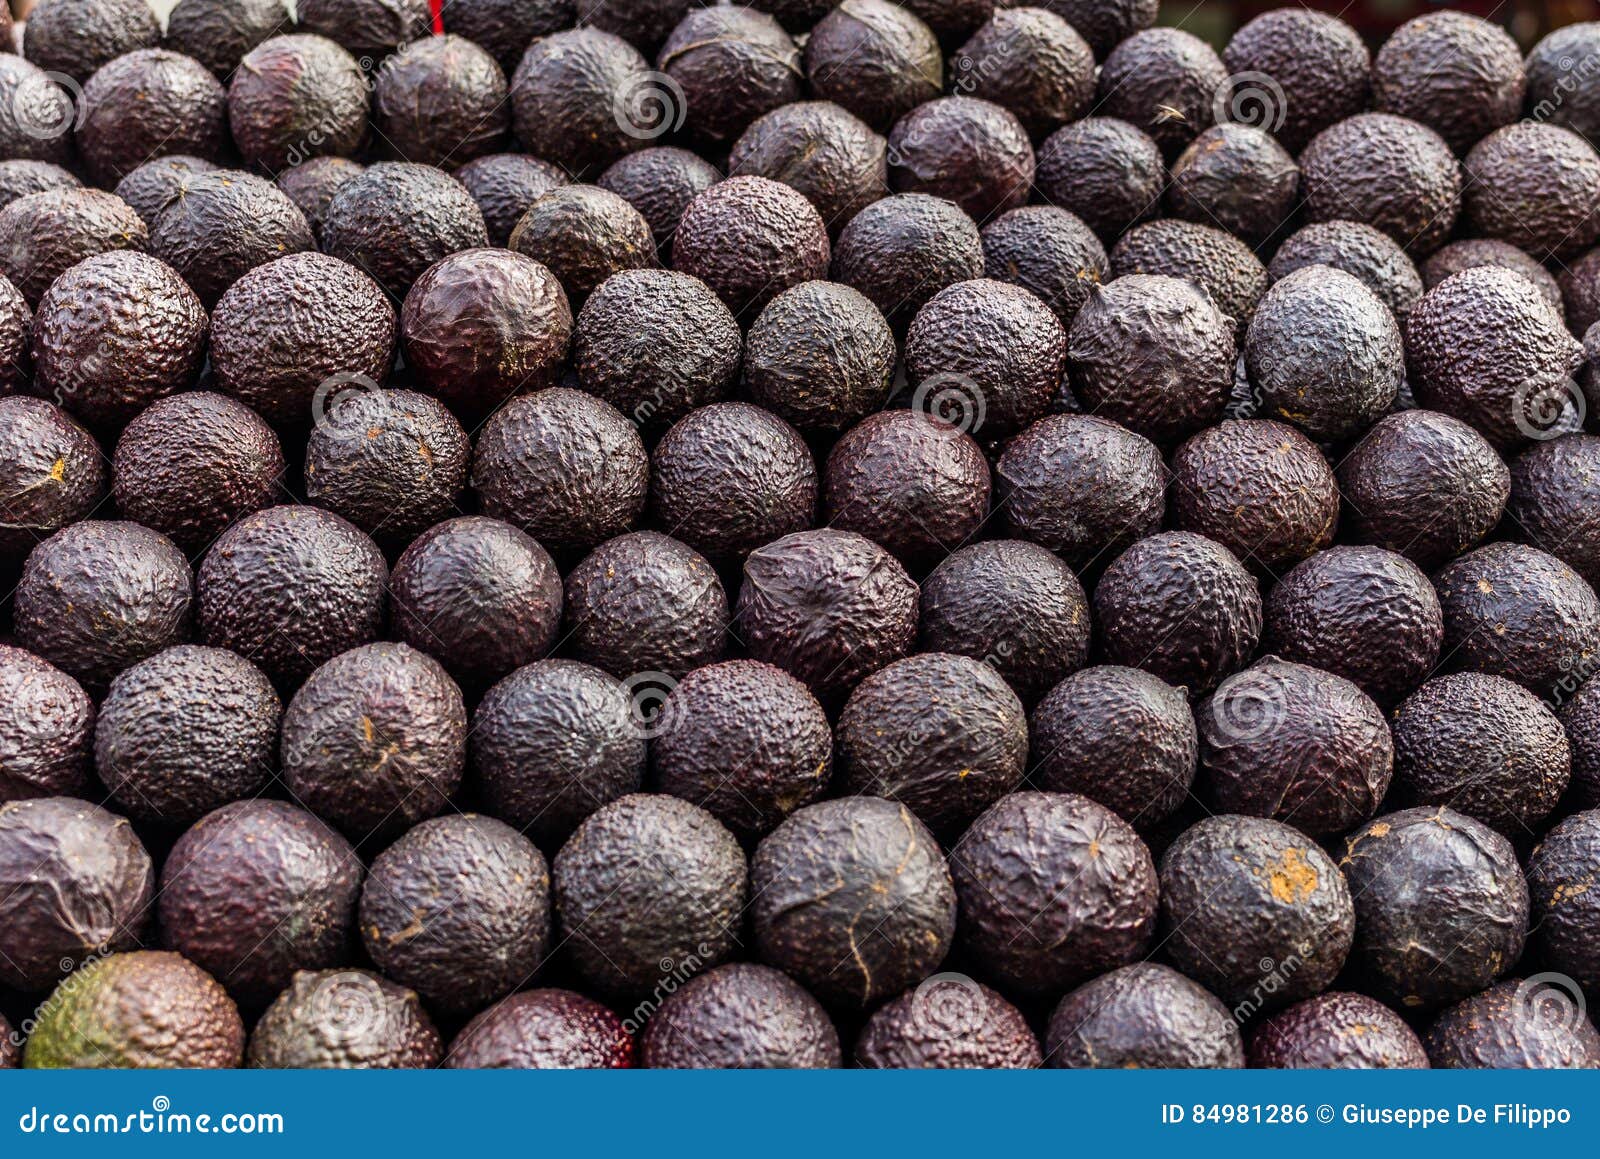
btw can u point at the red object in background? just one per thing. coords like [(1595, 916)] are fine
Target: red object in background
[(438, 17)]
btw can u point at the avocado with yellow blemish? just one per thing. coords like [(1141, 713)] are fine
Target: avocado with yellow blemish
[(52, 472)]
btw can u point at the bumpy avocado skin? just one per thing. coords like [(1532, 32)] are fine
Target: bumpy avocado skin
[(1337, 1030), (219, 33), (836, 869), (345, 1020), (21, 176), (544, 1029), (398, 218), (567, 89), (584, 234), (902, 250), (77, 37), (78, 885), (1555, 488), (505, 185), (1237, 177), (1534, 186), (185, 732), (1566, 910), (1318, 62), (1460, 75), (1369, 255), (1108, 172), (289, 89), (660, 182), (1255, 911), (1178, 578), (1119, 736), (1165, 81), (147, 103), (644, 23), (52, 473), (820, 356), (741, 1016), (1441, 905), (442, 102), (732, 64), (28, 100), (826, 152), (1032, 62), (1219, 263), (459, 909), (302, 881), (1580, 290), (876, 59), (1510, 1027), (1580, 718), (222, 224), (1048, 252), (1364, 613), (1384, 171), (1106, 23), (949, 1022), (646, 886), (1012, 604), (969, 151), (10, 1051), (1483, 251), (143, 1010), (749, 239), (1556, 92), (45, 234), (507, 27), (369, 28), (1144, 1015), (312, 183), (47, 737), (15, 320), (291, 587)]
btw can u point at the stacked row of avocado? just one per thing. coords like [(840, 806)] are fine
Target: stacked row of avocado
[(900, 535)]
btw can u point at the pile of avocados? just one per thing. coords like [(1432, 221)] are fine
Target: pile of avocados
[(936, 534)]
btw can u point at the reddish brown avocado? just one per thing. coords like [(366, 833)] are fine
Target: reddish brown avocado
[(368, 28), (1336, 1031), (824, 151), (505, 185), (740, 1017), (567, 89), (289, 86), (222, 224), (47, 736), (45, 234), (542, 1030), (345, 1020), (584, 234), (77, 884), (1318, 63), (76, 37), (902, 250), (398, 218), (441, 102), (949, 1022), (1519, 1024), (52, 473), (852, 899), (144, 1010), (1030, 61), (1456, 73), (1142, 1016), (820, 356), (28, 100), (749, 239), (148, 103), (966, 150), (1237, 177), (1054, 889), (1106, 171), (219, 33), (875, 58), (660, 182), (730, 64), (1384, 171), (1164, 80), (1566, 909), (303, 881)]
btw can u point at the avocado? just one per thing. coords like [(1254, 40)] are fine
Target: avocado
[(821, 356), (853, 900), (100, 596), (1106, 23), (1014, 605), (876, 59), (1120, 737), (647, 886), (566, 93), (829, 607), (45, 234), (291, 587), (909, 481), (443, 101), (289, 330), (301, 882), (584, 234), (1048, 252), (10, 1040), (969, 151), (47, 738), (1141, 1016), (1217, 262), (312, 183), (553, 742), (1153, 354), (1458, 74), (1337, 1030), (660, 182), (1294, 743), (219, 33), (1054, 889), (1031, 62), (367, 28), (1369, 255), (295, 97), (644, 603), (729, 64), (480, 595), (749, 239), (146, 103), (459, 909), (16, 319), (485, 324), (143, 1010), (1470, 252), (1254, 911), (185, 732), (1566, 910), (730, 477), (505, 185), (741, 1016), (1534, 186), (115, 333), (1556, 92), (745, 741), (397, 218), (52, 474), (656, 344), (820, 149), (1165, 81), (1259, 488), (74, 38), (797, 15), (1422, 484), (1441, 905), (1364, 613), (1319, 68), (506, 27), (1577, 712), (345, 1020), (1512, 1026), (20, 177), (542, 1030), (642, 23), (942, 734), (563, 466), (1553, 490), (393, 462), (949, 1022), (77, 885), (222, 224), (902, 250), (149, 187), (1385, 171), (1237, 177), (36, 113), (1180, 606), (1107, 172), (1580, 290)]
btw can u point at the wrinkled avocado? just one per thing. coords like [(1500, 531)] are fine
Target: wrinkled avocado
[(219, 33), (902, 250), (16, 319), (1318, 63), (45, 234), (730, 64), (820, 356), (1032, 62), (1217, 262), (740, 1017), (145, 104), (1048, 252), (149, 187), (1165, 81), (1513, 1026), (1108, 172), (52, 474), (505, 186), (566, 94), (948, 1022), (821, 149), (222, 224), (1554, 498), (296, 97), (442, 102), (20, 177), (1458, 74), (1144, 1015), (1566, 907), (874, 58), (660, 182), (584, 234), (506, 27), (1369, 255), (969, 151), (1535, 186), (398, 218), (77, 37), (643, 23), (1387, 172), (312, 183), (368, 28), (542, 1030), (1580, 719), (36, 113), (47, 737), (1556, 92), (1483, 251), (1106, 23), (345, 1020), (1236, 177), (749, 239), (1337, 1030)]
